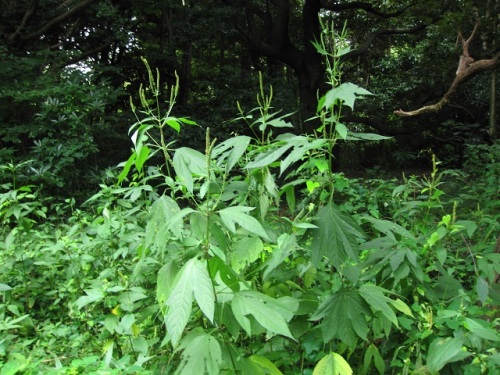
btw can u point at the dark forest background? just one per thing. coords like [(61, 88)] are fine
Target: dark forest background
[(69, 68)]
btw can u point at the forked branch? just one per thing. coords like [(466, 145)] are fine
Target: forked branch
[(467, 68)]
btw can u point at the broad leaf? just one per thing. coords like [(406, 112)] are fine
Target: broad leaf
[(268, 312), (229, 152), (239, 215), (265, 364), (201, 354), (341, 129), (161, 211), (374, 296), (286, 245), (268, 157), (188, 163), (165, 281), (346, 94), (344, 315), (301, 146), (477, 327), (353, 136), (389, 228), (443, 351), (93, 295), (192, 279), (336, 237), (373, 354), (332, 364), (247, 250)]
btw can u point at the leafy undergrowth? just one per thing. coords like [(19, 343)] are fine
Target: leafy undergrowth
[(196, 267)]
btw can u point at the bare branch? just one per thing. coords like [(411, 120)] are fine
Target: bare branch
[(472, 70), (62, 17), (465, 58), (365, 46), (29, 13)]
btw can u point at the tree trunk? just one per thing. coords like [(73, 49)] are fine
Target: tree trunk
[(311, 71), (494, 131)]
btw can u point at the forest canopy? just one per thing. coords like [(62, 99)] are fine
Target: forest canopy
[(82, 59)]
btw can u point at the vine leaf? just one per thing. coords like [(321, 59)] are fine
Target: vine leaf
[(192, 279), (344, 317)]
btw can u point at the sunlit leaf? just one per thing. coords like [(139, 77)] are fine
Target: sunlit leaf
[(165, 281), (188, 163), (265, 364), (264, 159), (246, 251), (332, 364)]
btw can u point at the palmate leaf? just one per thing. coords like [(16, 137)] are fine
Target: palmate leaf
[(332, 364), (192, 279), (229, 152), (374, 296), (344, 317), (301, 146), (336, 237), (239, 215), (270, 313), (201, 354)]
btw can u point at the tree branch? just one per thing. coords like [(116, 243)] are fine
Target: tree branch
[(365, 46), (367, 7), (29, 13), (472, 70), (53, 22), (465, 58), (88, 53)]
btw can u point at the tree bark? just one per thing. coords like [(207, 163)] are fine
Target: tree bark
[(472, 70), (493, 131)]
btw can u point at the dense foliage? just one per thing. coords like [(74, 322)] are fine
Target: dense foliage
[(252, 256)]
